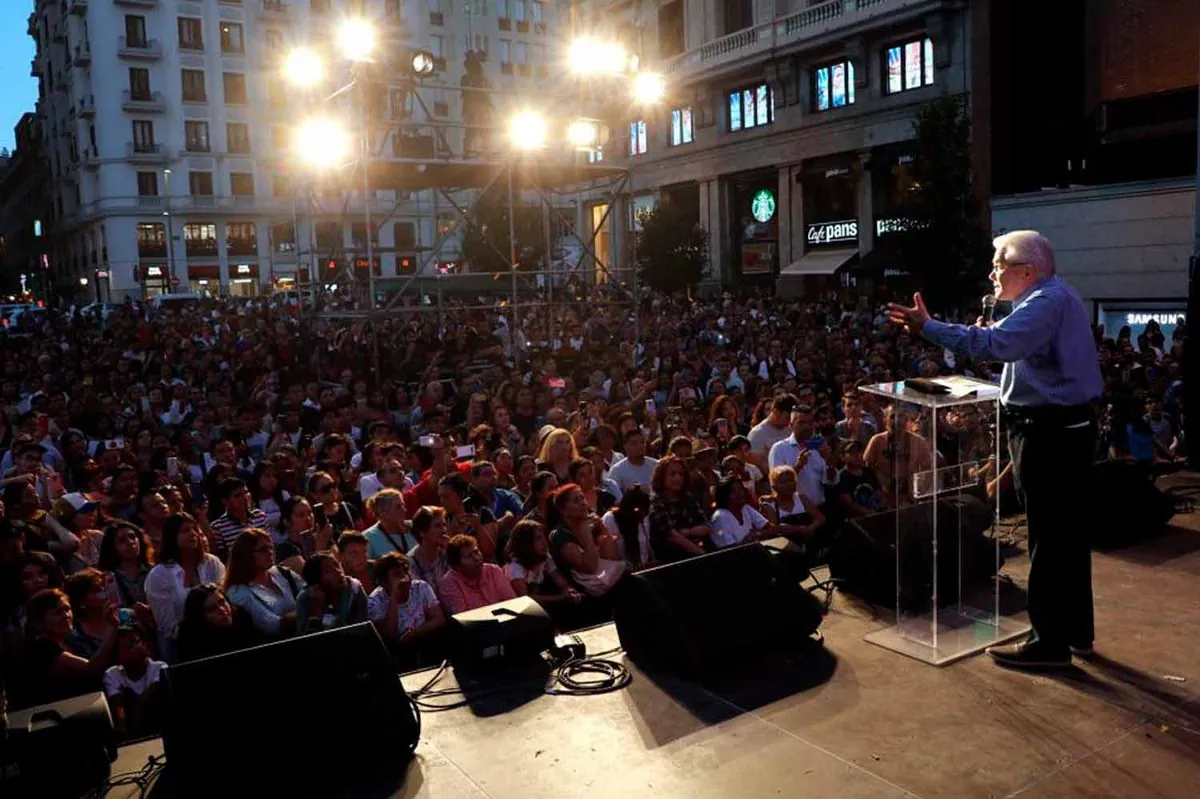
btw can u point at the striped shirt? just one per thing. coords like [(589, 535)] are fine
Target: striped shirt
[(228, 528)]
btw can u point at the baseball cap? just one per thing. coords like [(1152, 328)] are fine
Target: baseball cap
[(73, 503)]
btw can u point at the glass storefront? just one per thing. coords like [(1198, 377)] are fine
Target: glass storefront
[(1136, 316), (755, 211), (831, 204)]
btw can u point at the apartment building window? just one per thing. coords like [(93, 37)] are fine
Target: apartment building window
[(682, 127), (637, 137), (152, 239), (506, 56), (502, 11), (283, 237), (200, 183), (191, 34), (751, 108), (320, 6), (329, 235), (241, 184), (909, 66), (241, 238), (193, 85), (537, 12), (274, 42), (235, 88), (237, 137), (833, 86), (404, 235), (482, 46), (231, 39), (200, 238), (518, 7), (147, 183), (521, 57), (139, 83), (195, 137), (135, 31), (279, 138), (281, 186), (143, 136)]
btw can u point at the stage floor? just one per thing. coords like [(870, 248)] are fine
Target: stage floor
[(855, 720)]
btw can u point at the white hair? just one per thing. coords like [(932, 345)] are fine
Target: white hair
[(1026, 247)]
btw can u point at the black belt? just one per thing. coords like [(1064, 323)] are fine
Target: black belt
[(1050, 415)]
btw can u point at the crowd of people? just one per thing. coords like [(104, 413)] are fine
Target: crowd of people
[(180, 483)]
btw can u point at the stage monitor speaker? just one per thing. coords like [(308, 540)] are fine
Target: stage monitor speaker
[(700, 613), (506, 632), (862, 559), (286, 715), (63, 749)]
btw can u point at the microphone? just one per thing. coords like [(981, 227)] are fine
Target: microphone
[(989, 307)]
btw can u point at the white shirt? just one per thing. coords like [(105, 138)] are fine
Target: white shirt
[(369, 485), (609, 520), (728, 530), (765, 435), (166, 593), (811, 479), (538, 575), (626, 475), (116, 680), (410, 615)]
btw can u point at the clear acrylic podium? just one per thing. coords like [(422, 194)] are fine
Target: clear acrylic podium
[(933, 456)]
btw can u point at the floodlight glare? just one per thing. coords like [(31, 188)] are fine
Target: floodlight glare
[(356, 39), (583, 134), (648, 88), (322, 143), (587, 56), (527, 130), (303, 68)]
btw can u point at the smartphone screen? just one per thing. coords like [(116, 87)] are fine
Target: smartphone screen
[(426, 441), (557, 382), (319, 514), (465, 451), (172, 467)]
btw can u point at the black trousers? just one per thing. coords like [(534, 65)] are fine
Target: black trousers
[(1052, 451)]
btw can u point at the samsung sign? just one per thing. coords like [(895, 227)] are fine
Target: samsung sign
[(846, 231)]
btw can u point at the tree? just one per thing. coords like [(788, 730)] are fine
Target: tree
[(672, 249), (485, 240), (945, 246)]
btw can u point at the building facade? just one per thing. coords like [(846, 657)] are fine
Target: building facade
[(167, 128), (23, 211), (786, 126), (1102, 159)]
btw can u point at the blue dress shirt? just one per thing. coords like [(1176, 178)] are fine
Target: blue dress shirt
[(1046, 345)]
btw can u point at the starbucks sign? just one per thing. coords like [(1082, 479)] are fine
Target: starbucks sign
[(762, 207)]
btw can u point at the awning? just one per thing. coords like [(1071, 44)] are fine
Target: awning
[(819, 262)]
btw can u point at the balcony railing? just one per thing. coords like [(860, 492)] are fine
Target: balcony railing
[(136, 3), (143, 102), (148, 49), (767, 37), (274, 9), (83, 55)]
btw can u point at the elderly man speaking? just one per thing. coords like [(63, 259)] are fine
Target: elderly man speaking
[(1051, 375)]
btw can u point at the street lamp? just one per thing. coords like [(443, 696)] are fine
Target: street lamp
[(583, 134), (170, 230)]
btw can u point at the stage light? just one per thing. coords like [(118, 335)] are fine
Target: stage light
[(322, 143), (422, 63), (527, 130), (648, 88), (583, 134), (356, 38), (303, 68)]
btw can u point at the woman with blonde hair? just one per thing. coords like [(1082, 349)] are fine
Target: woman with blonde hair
[(556, 454)]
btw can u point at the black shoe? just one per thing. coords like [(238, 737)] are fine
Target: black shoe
[(1029, 656), (1083, 650)]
